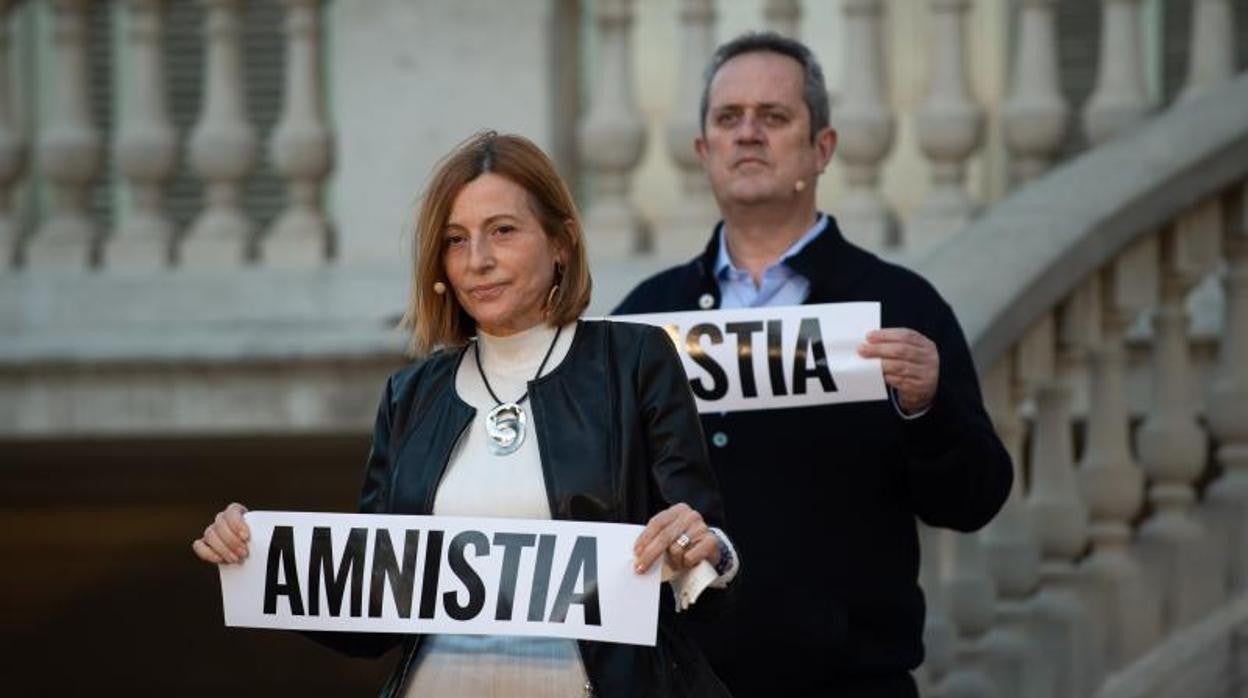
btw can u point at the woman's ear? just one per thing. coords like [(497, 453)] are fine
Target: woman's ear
[(561, 244)]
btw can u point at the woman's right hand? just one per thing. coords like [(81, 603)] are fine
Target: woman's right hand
[(225, 540)]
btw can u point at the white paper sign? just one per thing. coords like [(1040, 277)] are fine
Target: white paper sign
[(442, 574), (769, 358)]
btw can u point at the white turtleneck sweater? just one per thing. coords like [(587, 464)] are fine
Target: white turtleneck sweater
[(479, 483)]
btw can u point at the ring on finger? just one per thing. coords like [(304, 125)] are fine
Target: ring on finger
[(683, 541)]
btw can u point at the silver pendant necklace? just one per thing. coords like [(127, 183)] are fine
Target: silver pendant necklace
[(505, 423)]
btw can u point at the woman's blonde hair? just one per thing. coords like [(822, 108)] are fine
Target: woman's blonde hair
[(437, 319)]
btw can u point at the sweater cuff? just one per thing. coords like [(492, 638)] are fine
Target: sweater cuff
[(894, 398), (934, 429)]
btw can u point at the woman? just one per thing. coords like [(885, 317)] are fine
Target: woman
[(541, 416)]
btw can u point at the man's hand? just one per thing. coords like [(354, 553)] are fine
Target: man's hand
[(910, 361)]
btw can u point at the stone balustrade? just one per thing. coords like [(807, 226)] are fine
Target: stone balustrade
[(930, 131), (1131, 600), (942, 107), (1127, 601), (222, 149)]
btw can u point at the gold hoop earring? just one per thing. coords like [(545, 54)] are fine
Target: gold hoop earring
[(554, 289)]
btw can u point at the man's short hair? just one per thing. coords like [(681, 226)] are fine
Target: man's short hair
[(814, 89)]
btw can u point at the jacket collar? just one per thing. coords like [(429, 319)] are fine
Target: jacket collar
[(830, 262)]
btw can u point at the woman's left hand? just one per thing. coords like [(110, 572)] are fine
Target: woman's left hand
[(680, 532)]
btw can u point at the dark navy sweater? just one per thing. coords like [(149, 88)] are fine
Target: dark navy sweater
[(822, 501)]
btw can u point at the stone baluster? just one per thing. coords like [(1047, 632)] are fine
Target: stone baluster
[(12, 147), (1013, 554), (1113, 489), (783, 16), (1211, 55), (1172, 449), (1227, 498), (222, 146), (939, 636), (1079, 332), (950, 127), (300, 147), (146, 147), (695, 213), (971, 596), (1211, 60), (865, 126), (1035, 113), (1060, 614), (69, 147), (1119, 99), (612, 137)]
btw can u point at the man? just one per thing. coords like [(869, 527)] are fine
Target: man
[(823, 500)]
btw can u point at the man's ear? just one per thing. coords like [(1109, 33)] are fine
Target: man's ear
[(825, 146), (700, 147)]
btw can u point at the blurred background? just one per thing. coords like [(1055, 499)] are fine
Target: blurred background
[(205, 212)]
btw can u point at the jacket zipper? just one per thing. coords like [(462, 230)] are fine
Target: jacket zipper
[(446, 462), (433, 492), (407, 665), (548, 476)]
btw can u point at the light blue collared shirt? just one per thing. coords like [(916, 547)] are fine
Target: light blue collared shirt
[(780, 284)]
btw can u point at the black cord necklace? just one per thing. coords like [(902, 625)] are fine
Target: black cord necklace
[(504, 425)]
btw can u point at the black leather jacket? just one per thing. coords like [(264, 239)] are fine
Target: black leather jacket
[(620, 440)]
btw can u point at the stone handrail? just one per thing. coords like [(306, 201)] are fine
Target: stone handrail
[(1215, 638), (1037, 245)]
